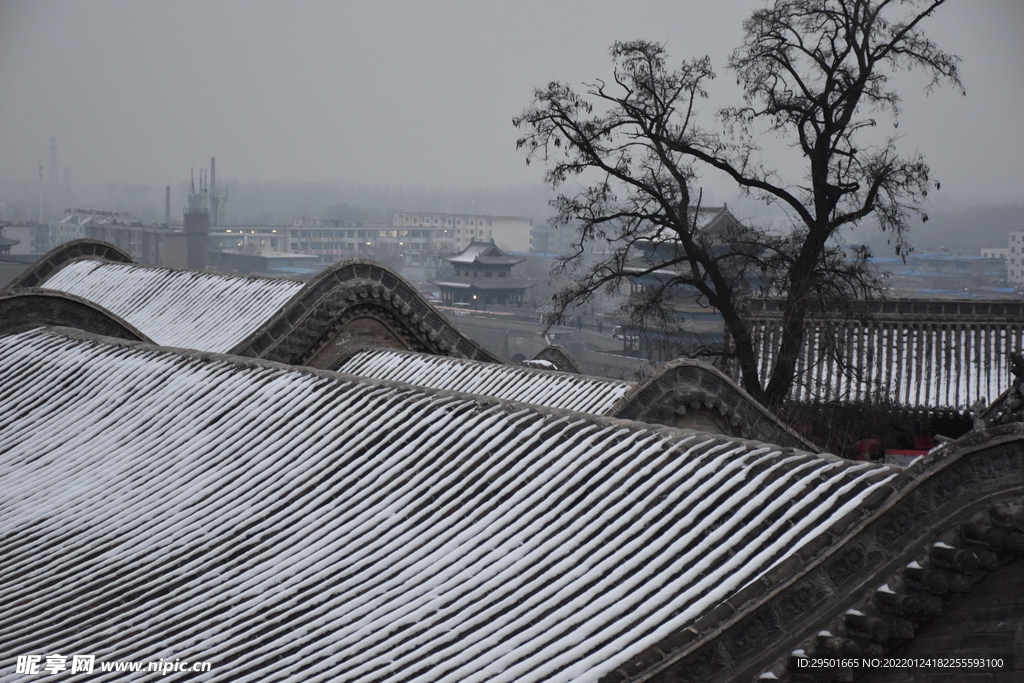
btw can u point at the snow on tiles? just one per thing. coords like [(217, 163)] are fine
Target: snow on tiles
[(204, 311), (513, 383), (939, 366), (290, 524)]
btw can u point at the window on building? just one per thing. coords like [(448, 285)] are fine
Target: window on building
[(502, 274), (488, 273)]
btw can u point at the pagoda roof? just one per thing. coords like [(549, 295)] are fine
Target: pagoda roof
[(484, 253), (488, 285)]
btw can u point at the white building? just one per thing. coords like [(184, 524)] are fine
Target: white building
[(411, 234), (1015, 259), (454, 231)]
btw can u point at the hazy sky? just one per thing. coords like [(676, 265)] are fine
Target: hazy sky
[(407, 91)]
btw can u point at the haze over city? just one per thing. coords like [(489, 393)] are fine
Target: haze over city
[(435, 342), (404, 93)]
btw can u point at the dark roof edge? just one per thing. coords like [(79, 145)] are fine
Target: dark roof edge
[(561, 358), (696, 381), (302, 324), (63, 254), (27, 308)]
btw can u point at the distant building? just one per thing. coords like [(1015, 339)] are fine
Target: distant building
[(80, 222), (411, 237), (553, 240), (32, 238), (648, 255), (1015, 259), (330, 241), (6, 242), (946, 275), (483, 276), (454, 231)]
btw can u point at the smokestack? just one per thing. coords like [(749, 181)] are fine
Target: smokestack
[(167, 206)]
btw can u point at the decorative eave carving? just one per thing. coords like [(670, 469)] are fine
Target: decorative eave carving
[(355, 289), (559, 356), (685, 385), (1009, 407)]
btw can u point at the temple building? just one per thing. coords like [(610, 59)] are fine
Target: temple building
[(483, 276)]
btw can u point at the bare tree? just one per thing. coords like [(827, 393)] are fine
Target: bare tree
[(815, 73)]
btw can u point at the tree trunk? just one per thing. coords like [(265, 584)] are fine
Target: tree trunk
[(745, 352), (784, 369)]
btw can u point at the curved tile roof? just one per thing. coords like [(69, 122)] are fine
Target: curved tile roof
[(276, 319), (509, 382), (189, 309), (682, 383), (57, 257), (30, 307), (486, 253), (686, 382), (291, 524)]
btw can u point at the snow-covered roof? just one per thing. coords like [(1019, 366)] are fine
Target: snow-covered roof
[(206, 311), (491, 284), (290, 524), (547, 388), (484, 252), (938, 366), (715, 219)]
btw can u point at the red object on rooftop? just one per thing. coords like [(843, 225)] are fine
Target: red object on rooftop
[(925, 443), (865, 446)]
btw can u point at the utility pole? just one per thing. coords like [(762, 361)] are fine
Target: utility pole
[(53, 207)]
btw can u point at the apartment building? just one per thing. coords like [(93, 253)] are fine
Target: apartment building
[(453, 232)]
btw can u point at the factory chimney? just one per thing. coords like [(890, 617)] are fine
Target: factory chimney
[(197, 225), (167, 207)]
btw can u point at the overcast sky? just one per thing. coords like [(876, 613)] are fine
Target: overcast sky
[(404, 91)]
